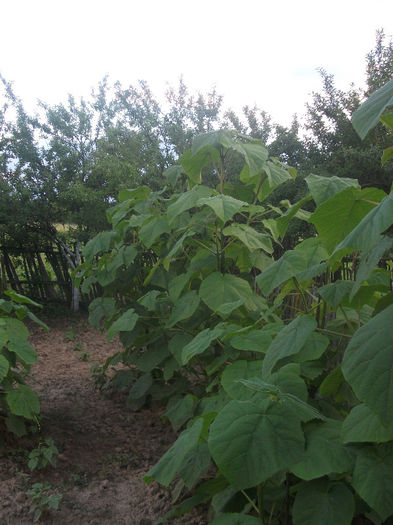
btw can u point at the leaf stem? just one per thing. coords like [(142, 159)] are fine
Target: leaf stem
[(204, 246), (272, 512), (301, 294), (260, 500), (349, 324), (333, 333), (250, 500)]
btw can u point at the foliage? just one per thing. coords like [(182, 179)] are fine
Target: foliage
[(276, 374), (43, 500), (332, 146), (18, 402), (45, 454)]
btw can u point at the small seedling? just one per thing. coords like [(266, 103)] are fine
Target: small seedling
[(44, 454), (70, 334), (42, 500), (78, 346), (85, 356)]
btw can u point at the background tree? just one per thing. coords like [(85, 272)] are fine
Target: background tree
[(333, 147)]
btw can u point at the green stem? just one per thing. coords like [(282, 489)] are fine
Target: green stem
[(204, 246), (332, 332), (261, 180), (301, 294), (260, 500), (349, 324), (250, 500), (272, 512), (322, 316)]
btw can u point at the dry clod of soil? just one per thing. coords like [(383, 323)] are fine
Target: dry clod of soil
[(104, 449)]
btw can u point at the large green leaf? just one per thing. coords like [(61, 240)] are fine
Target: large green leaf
[(373, 477), (99, 308), (323, 502), (23, 401), (177, 284), (294, 263), (20, 299), (276, 175), (313, 348), (254, 154), (279, 390), (176, 345), (335, 218), (282, 222), (186, 201), (193, 164), (289, 341), (242, 379), (16, 424), (23, 350), (240, 369), (213, 139), (323, 188), (224, 292), (362, 425), (135, 195), (367, 116), (180, 410), (152, 230), (149, 300), (250, 442), (11, 329), (254, 340), (367, 233), (253, 151), (173, 173), (100, 243), (325, 453), (4, 367), (154, 355), (125, 323), (368, 364), (124, 257), (195, 464), (369, 262), (334, 293), (141, 386), (184, 308), (224, 206), (200, 343), (251, 238), (178, 245), (171, 462)]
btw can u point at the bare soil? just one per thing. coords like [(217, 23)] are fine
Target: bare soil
[(104, 448)]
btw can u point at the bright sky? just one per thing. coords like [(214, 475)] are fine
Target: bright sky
[(253, 51)]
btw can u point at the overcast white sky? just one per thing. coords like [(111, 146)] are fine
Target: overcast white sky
[(253, 51)]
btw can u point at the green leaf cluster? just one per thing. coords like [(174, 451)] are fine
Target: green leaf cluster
[(18, 401)]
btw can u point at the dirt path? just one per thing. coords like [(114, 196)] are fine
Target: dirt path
[(104, 449)]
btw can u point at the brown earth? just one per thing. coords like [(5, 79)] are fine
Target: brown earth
[(104, 448)]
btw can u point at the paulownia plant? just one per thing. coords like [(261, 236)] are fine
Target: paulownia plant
[(284, 405), (18, 401)]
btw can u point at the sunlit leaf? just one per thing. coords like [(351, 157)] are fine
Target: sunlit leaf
[(367, 116)]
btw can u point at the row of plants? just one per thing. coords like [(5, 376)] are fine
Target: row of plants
[(19, 404), (279, 376)]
